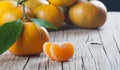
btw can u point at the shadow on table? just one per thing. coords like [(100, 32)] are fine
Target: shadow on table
[(71, 27)]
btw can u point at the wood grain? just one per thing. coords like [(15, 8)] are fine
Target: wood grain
[(95, 49)]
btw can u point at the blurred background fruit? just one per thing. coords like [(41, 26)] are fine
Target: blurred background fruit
[(30, 41), (32, 4), (62, 2), (50, 13), (99, 4), (13, 13), (88, 14), (6, 5)]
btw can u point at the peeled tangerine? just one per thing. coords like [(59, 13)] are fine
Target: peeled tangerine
[(58, 52)]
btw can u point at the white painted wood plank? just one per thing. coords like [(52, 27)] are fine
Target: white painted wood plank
[(115, 25), (11, 62), (93, 37), (109, 44), (90, 52), (82, 59), (95, 47), (100, 59), (36, 62), (74, 63)]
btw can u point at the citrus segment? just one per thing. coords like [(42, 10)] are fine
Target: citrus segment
[(59, 52)]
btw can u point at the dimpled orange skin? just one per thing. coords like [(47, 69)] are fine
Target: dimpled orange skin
[(14, 13), (87, 15), (59, 52), (7, 4), (51, 14), (32, 4), (62, 2), (30, 41)]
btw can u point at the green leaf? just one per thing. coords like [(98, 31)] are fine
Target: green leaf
[(43, 23), (9, 33)]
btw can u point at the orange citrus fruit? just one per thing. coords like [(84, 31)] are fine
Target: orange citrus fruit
[(30, 41), (50, 13), (62, 2), (58, 52), (32, 4), (13, 13), (99, 4), (88, 14), (6, 5)]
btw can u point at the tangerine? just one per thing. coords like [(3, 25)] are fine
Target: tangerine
[(62, 2), (32, 4), (88, 14), (30, 41), (50, 13), (13, 13)]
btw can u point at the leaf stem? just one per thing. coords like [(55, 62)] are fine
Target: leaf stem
[(18, 2), (24, 14), (22, 3)]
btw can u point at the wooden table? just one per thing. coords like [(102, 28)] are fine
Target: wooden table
[(95, 49)]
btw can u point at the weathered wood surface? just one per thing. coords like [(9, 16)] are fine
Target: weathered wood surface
[(96, 49)]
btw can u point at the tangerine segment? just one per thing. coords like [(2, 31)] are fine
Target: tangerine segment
[(62, 52), (46, 49), (59, 52)]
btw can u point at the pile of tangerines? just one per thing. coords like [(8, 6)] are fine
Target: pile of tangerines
[(35, 39)]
